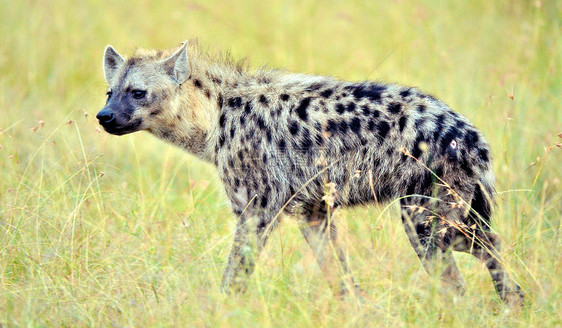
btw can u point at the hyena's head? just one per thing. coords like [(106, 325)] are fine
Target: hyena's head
[(141, 90)]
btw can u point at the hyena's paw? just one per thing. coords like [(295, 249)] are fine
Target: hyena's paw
[(359, 297), (514, 298)]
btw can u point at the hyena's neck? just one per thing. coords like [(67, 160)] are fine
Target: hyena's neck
[(193, 122)]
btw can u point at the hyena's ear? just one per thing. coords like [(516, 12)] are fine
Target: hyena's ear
[(177, 65), (112, 61)]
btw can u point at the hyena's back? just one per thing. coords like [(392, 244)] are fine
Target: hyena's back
[(374, 141)]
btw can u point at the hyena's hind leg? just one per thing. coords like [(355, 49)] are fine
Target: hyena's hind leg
[(430, 243), (485, 246), (321, 234)]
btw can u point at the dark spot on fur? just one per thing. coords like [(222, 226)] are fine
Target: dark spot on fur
[(376, 113), (421, 108), (221, 120), (326, 93), (371, 125), (284, 97), (350, 107), (282, 144), (383, 128), (268, 135), (314, 87), (373, 92), (417, 184), (235, 102), (421, 231), (301, 110), (263, 204), (355, 125), (484, 155), (439, 172), (248, 107), (340, 108), (405, 93), (345, 147), (197, 83), (471, 138), (178, 116), (394, 108), (222, 139), (319, 140), (402, 123), (242, 120), (331, 126), (343, 127), (318, 126), (306, 142), (261, 123), (156, 111), (232, 131), (293, 128), (216, 80), (366, 110), (263, 100), (220, 101), (439, 124), (208, 94)]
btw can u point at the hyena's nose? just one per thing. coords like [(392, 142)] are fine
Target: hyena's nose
[(105, 116)]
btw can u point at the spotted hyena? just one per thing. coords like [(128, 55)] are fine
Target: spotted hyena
[(305, 145)]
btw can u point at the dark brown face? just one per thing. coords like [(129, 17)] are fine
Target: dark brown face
[(117, 115)]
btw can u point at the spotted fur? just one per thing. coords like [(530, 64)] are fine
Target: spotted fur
[(279, 139)]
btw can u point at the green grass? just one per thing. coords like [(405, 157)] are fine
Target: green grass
[(98, 230)]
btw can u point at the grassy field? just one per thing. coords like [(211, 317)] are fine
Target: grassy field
[(99, 230)]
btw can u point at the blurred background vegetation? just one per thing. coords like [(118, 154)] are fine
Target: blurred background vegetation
[(97, 230)]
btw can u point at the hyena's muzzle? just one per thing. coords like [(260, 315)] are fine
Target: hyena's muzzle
[(116, 116)]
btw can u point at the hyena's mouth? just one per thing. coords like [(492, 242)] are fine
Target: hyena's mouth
[(116, 129)]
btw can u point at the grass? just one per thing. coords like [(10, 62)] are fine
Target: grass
[(97, 230)]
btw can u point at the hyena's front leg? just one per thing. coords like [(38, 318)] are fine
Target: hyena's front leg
[(250, 238), (321, 234)]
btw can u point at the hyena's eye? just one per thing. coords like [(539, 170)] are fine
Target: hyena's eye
[(109, 94), (138, 94)]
